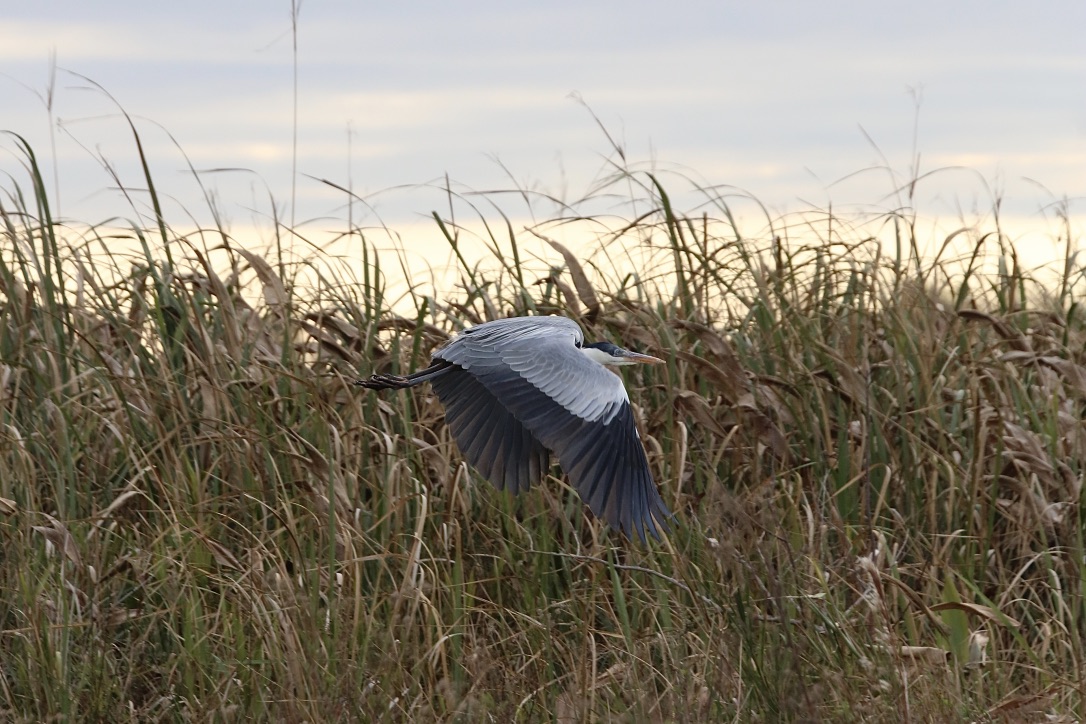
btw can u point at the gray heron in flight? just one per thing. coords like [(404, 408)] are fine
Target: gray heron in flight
[(517, 390)]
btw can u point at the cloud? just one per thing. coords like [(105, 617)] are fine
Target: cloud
[(738, 94)]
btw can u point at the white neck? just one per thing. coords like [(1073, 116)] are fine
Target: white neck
[(603, 358)]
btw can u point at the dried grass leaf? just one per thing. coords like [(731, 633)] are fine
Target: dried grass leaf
[(1073, 374), (844, 377), (1021, 704), (712, 339), (580, 280), (1016, 355), (768, 397), (432, 334), (572, 304), (275, 293), (318, 464), (58, 536), (700, 409), (764, 429), (1004, 330), (223, 557), (11, 287), (436, 458), (731, 386), (320, 468), (346, 331), (119, 502), (978, 649), (925, 654), (985, 612), (326, 342)]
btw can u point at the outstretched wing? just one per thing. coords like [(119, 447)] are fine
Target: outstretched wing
[(488, 435), (525, 378)]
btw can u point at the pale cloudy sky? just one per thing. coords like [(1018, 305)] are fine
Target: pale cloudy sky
[(774, 98)]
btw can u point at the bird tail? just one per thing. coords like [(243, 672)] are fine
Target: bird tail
[(396, 382)]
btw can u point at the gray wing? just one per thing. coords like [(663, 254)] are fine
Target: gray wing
[(488, 435), (521, 386)]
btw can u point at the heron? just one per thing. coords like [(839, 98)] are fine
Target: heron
[(519, 390)]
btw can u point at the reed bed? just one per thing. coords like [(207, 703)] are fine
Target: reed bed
[(874, 457)]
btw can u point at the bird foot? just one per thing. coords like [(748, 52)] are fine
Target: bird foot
[(384, 382)]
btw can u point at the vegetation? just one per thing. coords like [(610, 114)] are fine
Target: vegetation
[(875, 458)]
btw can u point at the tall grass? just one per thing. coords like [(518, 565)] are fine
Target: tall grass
[(875, 461)]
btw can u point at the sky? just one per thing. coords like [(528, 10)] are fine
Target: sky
[(797, 104)]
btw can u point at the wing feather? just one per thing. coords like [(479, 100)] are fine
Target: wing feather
[(490, 437)]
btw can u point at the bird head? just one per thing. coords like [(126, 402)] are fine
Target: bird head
[(612, 355)]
